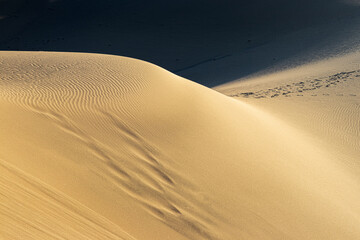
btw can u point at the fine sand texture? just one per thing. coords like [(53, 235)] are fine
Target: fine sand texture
[(105, 147)]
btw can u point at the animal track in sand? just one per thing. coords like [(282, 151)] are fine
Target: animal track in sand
[(141, 173), (299, 88)]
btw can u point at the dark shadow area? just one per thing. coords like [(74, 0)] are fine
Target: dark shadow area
[(177, 35)]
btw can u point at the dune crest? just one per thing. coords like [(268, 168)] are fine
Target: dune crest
[(130, 151)]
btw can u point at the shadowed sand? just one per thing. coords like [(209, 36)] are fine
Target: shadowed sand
[(106, 147), (208, 41)]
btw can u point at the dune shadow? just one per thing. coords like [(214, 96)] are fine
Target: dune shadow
[(189, 38)]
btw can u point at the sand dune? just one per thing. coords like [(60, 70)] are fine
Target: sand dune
[(106, 147), (321, 98)]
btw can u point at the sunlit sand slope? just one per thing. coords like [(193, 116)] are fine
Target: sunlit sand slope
[(322, 99), (106, 147), (31, 209)]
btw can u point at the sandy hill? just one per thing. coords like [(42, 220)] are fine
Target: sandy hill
[(105, 147)]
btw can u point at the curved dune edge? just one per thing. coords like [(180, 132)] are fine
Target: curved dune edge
[(105, 147)]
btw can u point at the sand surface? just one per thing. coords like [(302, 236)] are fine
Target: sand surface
[(105, 147)]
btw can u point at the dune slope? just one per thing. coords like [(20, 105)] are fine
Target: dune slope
[(321, 99), (105, 147)]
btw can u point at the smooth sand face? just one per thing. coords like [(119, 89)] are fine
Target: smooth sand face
[(104, 147)]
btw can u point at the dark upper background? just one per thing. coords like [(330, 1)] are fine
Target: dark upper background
[(182, 36)]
